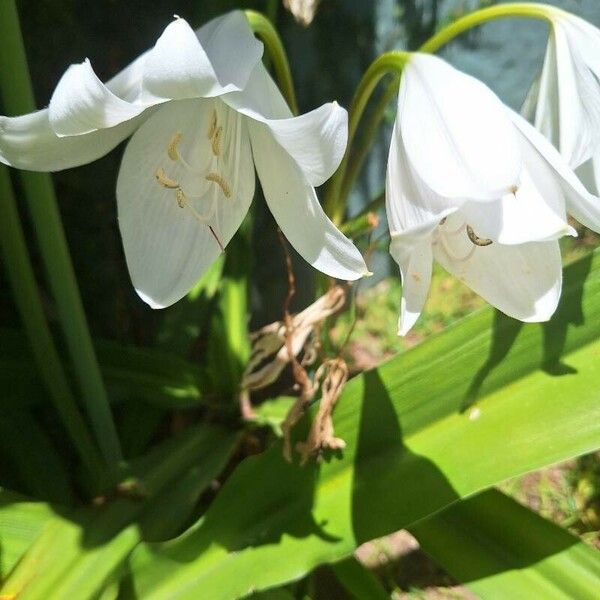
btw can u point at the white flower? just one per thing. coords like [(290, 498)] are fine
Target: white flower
[(564, 102), (203, 112), (473, 185)]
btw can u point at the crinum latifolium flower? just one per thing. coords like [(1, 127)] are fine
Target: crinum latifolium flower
[(564, 101), (204, 113), (474, 186)]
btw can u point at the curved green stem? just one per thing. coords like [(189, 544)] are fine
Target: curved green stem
[(263, 28), (516, 9), (388, 63)]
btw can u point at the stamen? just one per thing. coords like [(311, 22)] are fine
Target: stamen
[(216, 141), (478, 241), (216, 238), (164, 180), (172, 147), (514, 189), (181, 198), (216, 178), (213, 124)]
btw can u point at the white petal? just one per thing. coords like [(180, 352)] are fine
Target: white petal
[(415, 258), (296, 209), (409, 203), (28, 142), (456, 132), (179, 67), (81, 103), (166, 246), (315, 140), (231, 47), (260, 99), (535, 213), (589, 174), (582, 205), (523, 281)]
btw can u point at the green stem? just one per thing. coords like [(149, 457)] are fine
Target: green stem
[(370, 129), (26, 295), (517, 9), (264, 29), (388, 63), (17, 95)]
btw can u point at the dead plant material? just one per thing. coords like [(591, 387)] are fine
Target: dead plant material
[(274, 344), (303, 10), (334, 373)]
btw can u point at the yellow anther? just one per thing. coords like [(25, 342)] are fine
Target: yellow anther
[(478, 241), (172, 147), (181, 198), (216, 141), (216, 178), (514, 189), (213, 124), (164, 180)]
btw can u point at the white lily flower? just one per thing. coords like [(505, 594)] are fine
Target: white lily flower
[(203, 112), (474, 186), (564, 102)]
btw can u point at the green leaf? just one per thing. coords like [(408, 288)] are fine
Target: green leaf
[(501, 549), (37, 463), (21, 521), (146, 374), (77, 552), (358, 580), (413, 447)]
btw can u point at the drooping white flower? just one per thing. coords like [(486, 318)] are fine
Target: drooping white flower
[(564, 102), (474, 186), (204, 113)]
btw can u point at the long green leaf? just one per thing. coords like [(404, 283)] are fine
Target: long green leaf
[(17, 95), (41, 344), (358, 580), (21, 521), (413, 448), (76, 553), (501, 549), (145, 374)]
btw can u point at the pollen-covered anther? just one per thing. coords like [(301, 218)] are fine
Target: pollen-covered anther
[(216, 141), (514, 189), (213, 125), (172, 147), (478, 241), (181, 198), (220, 181), (165, 180)]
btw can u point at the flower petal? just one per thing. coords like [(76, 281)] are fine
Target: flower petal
[(414, 256), (523, 281), (315, 140), (28, 142), (409, 203), (534, 213), (296, 209), (582, 205), (81, 103), (179, 66), (456, 132), (232, 48), (169, 245)]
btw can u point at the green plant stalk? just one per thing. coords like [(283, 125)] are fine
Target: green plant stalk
[(517, 9), (263, 28), (390, 62), (445, 35), (17, 95), (22, 280)]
